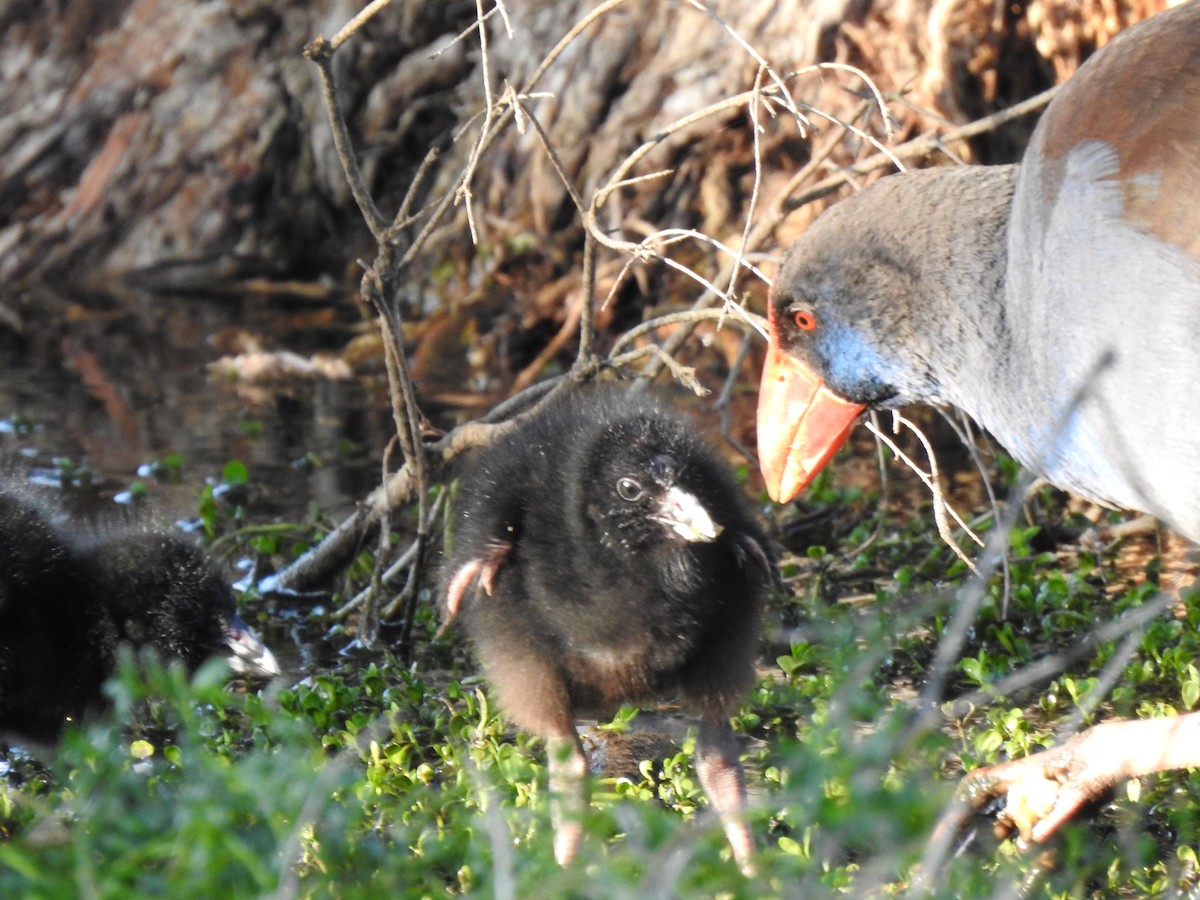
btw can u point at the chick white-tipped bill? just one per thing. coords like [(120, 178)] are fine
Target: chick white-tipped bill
[(248, 654), (684, 514)]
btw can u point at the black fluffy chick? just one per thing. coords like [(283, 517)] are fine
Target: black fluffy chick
[(602, 554), (66, 604)]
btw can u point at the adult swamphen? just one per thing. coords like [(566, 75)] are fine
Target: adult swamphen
[(1057, 302)]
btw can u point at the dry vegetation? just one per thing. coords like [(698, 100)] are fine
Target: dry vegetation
[(603, 186), (618, 182)]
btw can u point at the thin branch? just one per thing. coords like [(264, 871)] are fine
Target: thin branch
[(752, 110), (685, 375), (968, 600), (763, 65), (321, 53), (393, 571), (689, 316), (462, 193), (929, 479), (1051, 666), (724, 400), (920, 146), (565, 41), (403, 219), (355, 24), (587, 303), (471, 29), (961, 425), (555, 161), (568, 328), (320, 563), (621, 173)]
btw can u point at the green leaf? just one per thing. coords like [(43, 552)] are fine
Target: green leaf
[(235, 472)]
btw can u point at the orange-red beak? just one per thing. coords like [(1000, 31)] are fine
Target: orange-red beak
[(801, 423)]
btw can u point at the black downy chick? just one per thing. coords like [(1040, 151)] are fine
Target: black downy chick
[(66, 604), (603, 554)]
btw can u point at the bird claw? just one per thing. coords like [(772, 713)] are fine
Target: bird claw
[(457, 589), (497, 552), (1041, 791), (484, 570), (748, 549), (1030, 800)]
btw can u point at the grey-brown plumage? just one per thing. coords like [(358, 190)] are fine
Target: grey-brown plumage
[(602, 554), (1057, 302), (67, 603)]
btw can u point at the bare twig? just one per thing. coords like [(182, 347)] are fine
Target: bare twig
[(406, 415), (690, 316), (587, 304), (929, 479), (393, 571), (352, 27), (320, 52), (1053, 665), (577, 303), (919, 146), (319, 564), (961, 424), (567, 39), (685, 375), (968, 600), (723, 401), (752, 111)]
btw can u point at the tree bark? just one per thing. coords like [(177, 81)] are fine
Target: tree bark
[(184, 144)]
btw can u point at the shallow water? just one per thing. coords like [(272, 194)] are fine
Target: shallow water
[(115, 383)]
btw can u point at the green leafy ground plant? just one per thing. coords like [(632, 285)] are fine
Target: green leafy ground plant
[(365, 776)]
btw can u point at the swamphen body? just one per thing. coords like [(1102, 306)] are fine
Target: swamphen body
[(66, 603), (1057, 302), (602, 554)]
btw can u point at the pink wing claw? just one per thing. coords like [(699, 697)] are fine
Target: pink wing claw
[(484, 569), (490, 564)]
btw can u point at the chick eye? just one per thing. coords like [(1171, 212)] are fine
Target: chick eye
[(805, 319), (628, 489)]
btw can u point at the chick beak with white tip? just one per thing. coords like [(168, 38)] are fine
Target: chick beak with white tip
[(684, 514), (248, 655)]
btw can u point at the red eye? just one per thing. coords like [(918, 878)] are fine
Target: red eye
[(806, 320)]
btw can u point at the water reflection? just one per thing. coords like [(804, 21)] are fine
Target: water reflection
[(115, 382)]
